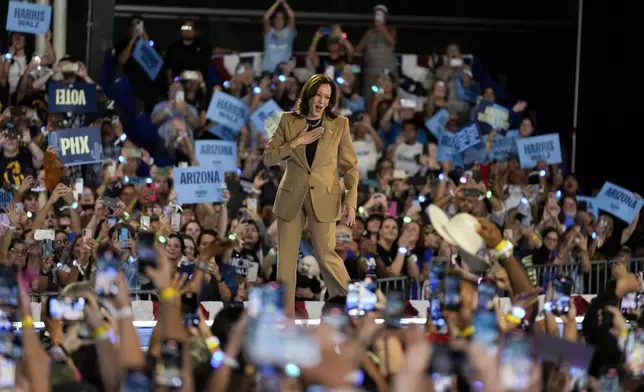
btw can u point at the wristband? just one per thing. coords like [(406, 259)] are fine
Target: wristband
[(256, 191), (513, 319), (100, 332), (467, 332), (535, 237), (168, 294), (624, 333), (98, 240), (499, 247), (27, 322), (123, 313), (402, 250), (213, 343)]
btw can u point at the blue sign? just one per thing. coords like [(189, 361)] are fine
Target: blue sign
[(217, 153), (467, 137), (75, 98), (436, 124), (227, 110), (148, 58), (447, 149), (495, 116), (619, 202), (28, 18), (533, 149), (591, 202), (468, 94), (504, 145), (259, 116), (78, 146), (475, 154), (5, 198), (198, 184), (222, 132)]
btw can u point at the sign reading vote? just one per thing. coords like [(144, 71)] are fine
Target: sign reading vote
[(227, 111), (619, 202), (75, 98), (533, 149), (467, 137), (78, 146), (263, 113), (504, 145), (28, 18), (217, 153), (198, 184), (591, 204), (148, 58)]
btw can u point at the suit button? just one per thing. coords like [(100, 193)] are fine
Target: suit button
[(312, 187)]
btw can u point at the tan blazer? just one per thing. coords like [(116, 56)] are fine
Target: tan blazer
[(335, 152)]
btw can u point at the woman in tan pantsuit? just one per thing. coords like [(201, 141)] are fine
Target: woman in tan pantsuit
[(316, 144)]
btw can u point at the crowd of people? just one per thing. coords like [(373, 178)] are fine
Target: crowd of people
[(82, 239)]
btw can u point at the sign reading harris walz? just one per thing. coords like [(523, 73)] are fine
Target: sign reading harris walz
[(533, 149), (75, 98), (619, 201)]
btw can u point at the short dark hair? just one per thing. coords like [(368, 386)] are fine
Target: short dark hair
[(207, 232), (309, 90), (410, 122)]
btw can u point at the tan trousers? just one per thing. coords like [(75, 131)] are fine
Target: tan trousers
[(332, 267)]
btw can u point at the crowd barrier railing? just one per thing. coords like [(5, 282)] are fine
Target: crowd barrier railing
[(135, 295)]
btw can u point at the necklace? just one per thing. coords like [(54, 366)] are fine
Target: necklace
[(313, 125)]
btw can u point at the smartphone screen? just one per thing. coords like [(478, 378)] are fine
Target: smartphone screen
[(47, 248), (361, 298), (516, 361), (486, 331), (150, 190), (562, 288), (452, 295), (146, 254), (441, 367), (394, 309), (168, 367), (106, 273), (8, 373), (629, 304), (190, 307), (67, 308), (486, 292), (145, 223), (8, 287), (124, 235), (634, 352), (436, 314)]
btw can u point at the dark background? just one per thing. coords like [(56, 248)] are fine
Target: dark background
[(529, 47)]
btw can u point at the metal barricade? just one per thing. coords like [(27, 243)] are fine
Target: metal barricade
[(397, 284), (138, 295)]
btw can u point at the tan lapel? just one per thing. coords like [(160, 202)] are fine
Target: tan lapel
[(297, 126), (325, 140)]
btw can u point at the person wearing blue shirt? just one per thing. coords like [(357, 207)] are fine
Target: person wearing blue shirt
[(278, 38)]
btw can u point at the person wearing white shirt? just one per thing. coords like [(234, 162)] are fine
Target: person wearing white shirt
[(367, 144), (405, 153)]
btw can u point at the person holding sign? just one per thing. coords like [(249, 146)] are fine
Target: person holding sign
[(315, 143)]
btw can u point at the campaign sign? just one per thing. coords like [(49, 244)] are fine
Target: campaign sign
[(263, 113), (437, 122), (28, 18), (467, 137), (447, 149), (227, 111), (475, 154), (222, 132), (148, 58), (217, 153), (504, 145), (78, 146), (591, 202), (533, 149), (496, 116), (198, 184), (75, 98), (619, 202)]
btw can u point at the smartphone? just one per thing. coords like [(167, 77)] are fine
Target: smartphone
[(534, 178), (66, 308), (168, 366), (4, 219), (407, 103), (111, 221), (441, 367), (266, 302), (436, 314), (452, 293), (326, 30), (516, 361), (110, 202), (175, 222), (190, 307), (8, 287), (17, 111), (180, 96), (437, 274), (146, 254), (562, 288), (8, 373), (150, 190), (486, 292), (394, 309), (124, 235), (628, 305), (47, 248), (145, 223), (473, 193), (634, 353), (361, 297), (42, 235), (455, 62), (66, 180), (486, 331), (107, 271), (79, 186)]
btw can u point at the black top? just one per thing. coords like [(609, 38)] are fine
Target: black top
[(191, 57), (312, 147)]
